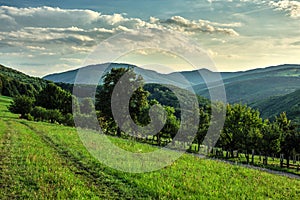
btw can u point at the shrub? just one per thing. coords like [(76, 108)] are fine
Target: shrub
[(21, 105)]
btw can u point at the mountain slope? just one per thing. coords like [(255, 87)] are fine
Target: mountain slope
[(182, 79), (13, 82), (148, 75), (256, 85), (273, 106)]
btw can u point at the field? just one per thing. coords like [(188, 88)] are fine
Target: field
[(48, 161)]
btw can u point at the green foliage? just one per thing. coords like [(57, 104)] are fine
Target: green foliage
[(21, 105), (241, 128), (87, 106), (138, 103), (270, 143), (290, 138), (14, 83), (53, 97), (273, 106)]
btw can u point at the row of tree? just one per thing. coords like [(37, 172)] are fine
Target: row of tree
[(244, 130), (52, 104)]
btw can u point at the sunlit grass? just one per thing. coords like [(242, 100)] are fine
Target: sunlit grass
[(48, 161)]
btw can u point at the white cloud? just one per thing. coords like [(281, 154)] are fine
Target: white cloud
[(46, 34), (43, 27), (291, 7), (194, 26)]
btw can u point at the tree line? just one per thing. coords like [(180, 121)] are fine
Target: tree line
[(243, 131)]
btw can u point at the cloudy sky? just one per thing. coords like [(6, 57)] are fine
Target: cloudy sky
[(40, 37)]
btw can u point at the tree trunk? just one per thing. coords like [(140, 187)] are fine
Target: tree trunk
[(158, 140), (118, 132), (247, 157), (231, 152), (265, 161), (288, 161)]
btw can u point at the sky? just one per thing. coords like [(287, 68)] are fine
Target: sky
[(40, 37)]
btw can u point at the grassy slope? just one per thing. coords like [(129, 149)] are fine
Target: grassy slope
[(40, 160)]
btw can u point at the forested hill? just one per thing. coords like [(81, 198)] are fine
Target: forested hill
[(289, 103), (256, 85), (13, 82)]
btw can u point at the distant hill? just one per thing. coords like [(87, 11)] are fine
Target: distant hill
[(149, 76), (13, 82), (258, 84), (243, 86), (273, 106)]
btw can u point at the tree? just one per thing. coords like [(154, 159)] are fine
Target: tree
[(21, 105), (204, 122), (1, 86), (171, 126), (241, 129), (270, 143), (53, 97), (137, 104), (87, 106), (289, 138)]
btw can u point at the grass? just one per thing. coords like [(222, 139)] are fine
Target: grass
[(47, 161)]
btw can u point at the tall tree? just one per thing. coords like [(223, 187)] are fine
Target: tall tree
[(241, 129), (290, 138), (270, 143), (138, 101)]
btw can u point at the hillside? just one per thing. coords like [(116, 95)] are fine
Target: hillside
[(243, 86), (13, 82), (273, 106), (193, 77), (255, 85), (48, 161), (148, 75)]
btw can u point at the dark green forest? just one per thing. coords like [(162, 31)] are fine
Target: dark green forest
[(13, 83)]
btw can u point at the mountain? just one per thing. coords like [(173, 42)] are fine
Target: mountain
[(273, 106), (13, 82), (149, 76), (242, 86), (258, 84)]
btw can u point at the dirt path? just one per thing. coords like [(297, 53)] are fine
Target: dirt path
[(281, 173)]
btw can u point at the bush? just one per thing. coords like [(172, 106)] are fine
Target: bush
[(68, 120), (29, 117), (21, 105), (39, 113)]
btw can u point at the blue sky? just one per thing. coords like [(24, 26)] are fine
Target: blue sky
[(40, 37)]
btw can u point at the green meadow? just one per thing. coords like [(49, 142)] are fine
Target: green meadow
[(40, 160)]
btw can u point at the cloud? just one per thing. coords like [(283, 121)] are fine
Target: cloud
[(47, 34), (181, 24), (291, 7), (44, 27)]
